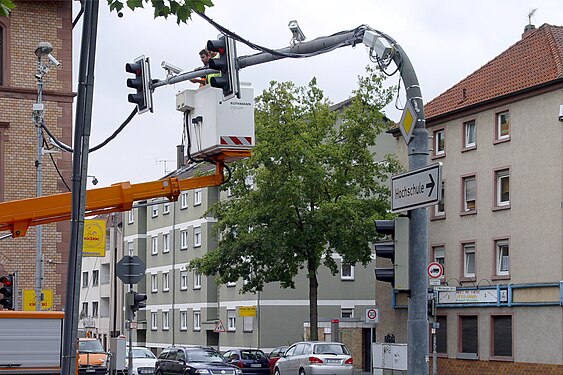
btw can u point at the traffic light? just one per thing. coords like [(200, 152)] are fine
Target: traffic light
[(143, 97), (136, 301), (7, 291), (226, 64), (396, 249)]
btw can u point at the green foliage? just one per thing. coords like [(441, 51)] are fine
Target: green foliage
[(5, 7), (317, 189), (182, 9)]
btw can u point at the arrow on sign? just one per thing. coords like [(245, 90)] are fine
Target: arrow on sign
[(430, 185)]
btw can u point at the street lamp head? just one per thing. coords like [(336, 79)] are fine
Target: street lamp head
[(43, 49)]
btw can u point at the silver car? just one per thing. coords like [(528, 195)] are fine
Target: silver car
[(315, 358)]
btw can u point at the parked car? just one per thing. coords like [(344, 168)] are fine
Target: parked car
[(144, 361), (274, 355), (315, 358), (92, 358), (193, 360), (250, 361)]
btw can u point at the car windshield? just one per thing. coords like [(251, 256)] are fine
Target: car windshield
[(142, 353), (90, 346), (330, 349), (203, 355), (252, 354)]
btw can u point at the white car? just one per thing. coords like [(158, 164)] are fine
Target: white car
[(143, 361), (315, 358)]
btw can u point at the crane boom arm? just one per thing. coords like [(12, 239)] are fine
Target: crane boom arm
[(18, 216)]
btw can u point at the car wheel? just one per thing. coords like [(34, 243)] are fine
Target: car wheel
[(277, 371), (301, 372), (158, 372)]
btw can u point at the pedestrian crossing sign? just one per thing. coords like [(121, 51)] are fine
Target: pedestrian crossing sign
[(219, 327)]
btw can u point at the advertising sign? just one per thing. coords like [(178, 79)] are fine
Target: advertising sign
[(94, 238)]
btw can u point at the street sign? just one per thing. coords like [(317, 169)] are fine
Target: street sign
[(247, 311), (408, 122), (130, 269), (434, 282), (219, 327), (417, 188), (372, 315), (444, 288), (435, 270)]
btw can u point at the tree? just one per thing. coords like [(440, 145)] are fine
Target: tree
[(182, 9), (317, 189)]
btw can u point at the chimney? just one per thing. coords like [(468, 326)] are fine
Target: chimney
[(180, 161), (527, 30)]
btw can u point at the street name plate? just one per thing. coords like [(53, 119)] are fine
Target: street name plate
[(417, 188)]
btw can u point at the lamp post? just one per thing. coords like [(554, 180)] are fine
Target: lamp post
[(42, 51)]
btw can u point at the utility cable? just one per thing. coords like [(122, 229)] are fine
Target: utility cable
[(55, 164)]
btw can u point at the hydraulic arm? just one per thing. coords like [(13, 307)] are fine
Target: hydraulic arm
[(17, 216)]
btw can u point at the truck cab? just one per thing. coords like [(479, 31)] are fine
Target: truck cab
[(92, 358)]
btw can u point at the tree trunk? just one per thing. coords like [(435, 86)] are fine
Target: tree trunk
[(313, 305)]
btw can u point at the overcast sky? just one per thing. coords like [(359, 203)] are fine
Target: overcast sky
[(445, 40)]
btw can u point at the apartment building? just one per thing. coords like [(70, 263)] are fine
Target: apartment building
[(30, 23), (498, 230)]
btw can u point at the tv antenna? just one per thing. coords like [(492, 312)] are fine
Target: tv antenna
[(165, 162), (531, 14)]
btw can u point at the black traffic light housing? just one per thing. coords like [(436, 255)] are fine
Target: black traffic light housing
[(7, 291), (226, 64), (396, 249), (143, 97), (136, 301)]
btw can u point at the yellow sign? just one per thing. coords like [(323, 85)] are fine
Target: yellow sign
[(29, 300), (408, 122), (247, 311), (94, 238)]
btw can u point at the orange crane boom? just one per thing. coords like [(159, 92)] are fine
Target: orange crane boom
[(17, 216)]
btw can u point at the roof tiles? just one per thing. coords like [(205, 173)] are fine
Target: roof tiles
[(534, 60)]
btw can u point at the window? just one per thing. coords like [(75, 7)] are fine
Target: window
[(166, 242), (183, 239), (130, 248), (440, 208), (197, 280), (247, 323), (231, 320), (442, 334), (166, 208), (154, 245), (197, 197), (469, 194), (469, 260), (502, 335), (131, 217), (154, 210), (85, 279), (468, 338), (183, 320), (503, 126), (502, 257), (165, 285), (347, 272), (502, 188), (184, 200), (347, 313), (84, 311), (95, 309), (183, 280), (165, 322), (154, 283), (440, 255), (154, 321), (439, 142), (197, 236), (469, 135), (95, 277), (197, 320)]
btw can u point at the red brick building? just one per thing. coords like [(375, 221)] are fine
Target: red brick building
[(30, 23)]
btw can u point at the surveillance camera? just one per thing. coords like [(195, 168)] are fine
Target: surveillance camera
[(561, 113), (95, 181), (170, 67), (53, 60), (296, 31)]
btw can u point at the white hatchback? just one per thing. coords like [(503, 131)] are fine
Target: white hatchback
[(143, 361), (315, 358)]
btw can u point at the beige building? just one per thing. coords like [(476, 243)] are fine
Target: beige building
[(498, 232), (30, 23)]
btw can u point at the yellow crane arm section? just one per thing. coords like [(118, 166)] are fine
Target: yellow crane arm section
[(17, 216)]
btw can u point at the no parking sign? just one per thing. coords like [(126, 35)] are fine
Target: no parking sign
[(372, 315)]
